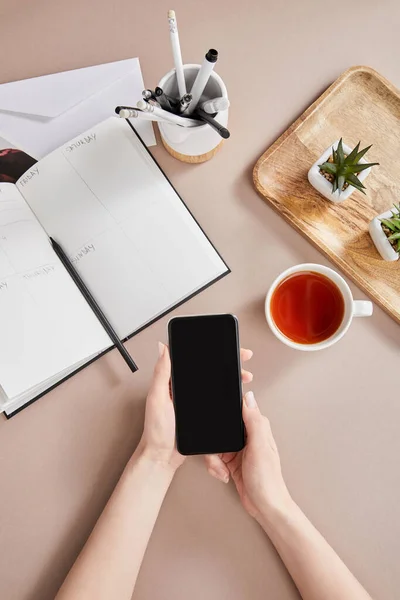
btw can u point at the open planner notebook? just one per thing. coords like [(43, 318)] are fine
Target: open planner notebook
[(128, 234)]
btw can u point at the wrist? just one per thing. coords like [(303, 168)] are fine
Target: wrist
[(272, 516), (156, 462), (145, 480)]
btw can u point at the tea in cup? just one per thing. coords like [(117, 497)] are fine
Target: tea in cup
[(310, 307)]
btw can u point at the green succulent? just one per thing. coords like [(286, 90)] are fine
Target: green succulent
[(344, 169), (393, 225)]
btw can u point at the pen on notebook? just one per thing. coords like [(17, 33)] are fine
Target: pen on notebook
[(176, 119), (206, 118), (176, 52), (93, 305), (202, 78)]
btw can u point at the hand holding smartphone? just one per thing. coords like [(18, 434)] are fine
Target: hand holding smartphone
[(206, 383)]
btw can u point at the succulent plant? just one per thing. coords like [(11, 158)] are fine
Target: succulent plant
[(342, 170), (391, 227)]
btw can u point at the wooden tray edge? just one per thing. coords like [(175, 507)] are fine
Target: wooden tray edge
[(314, 106), (292, 220)]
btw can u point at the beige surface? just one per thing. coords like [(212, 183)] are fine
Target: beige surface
[(335, 414)]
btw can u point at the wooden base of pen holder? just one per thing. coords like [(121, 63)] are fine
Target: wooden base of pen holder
[(200, 158)]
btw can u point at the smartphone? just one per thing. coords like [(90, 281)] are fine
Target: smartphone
[(206, 383)]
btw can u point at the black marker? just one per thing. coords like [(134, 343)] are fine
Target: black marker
[(166, 102), (199, 113)]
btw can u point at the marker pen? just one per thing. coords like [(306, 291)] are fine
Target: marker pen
[(202, 78)]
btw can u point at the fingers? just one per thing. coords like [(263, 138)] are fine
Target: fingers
[(162, 370), (251, 414), (247, 377), (245, 354), (250, 401), (216, 467), (258, 427)]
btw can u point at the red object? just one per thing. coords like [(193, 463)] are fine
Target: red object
[(307, 307), (13, 164)]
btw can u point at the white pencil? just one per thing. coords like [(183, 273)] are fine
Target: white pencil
[(167, 116), (176, 52), (133, 113)]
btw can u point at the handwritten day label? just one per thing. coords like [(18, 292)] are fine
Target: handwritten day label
[(29, 175), (42, 271), (84, 251), (81, 142)]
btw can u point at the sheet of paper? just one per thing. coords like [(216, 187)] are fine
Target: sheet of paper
[(124, 227), (42, 113), (45, 324)]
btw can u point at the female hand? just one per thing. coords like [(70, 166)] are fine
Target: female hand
[(256, 470), (158, 439)]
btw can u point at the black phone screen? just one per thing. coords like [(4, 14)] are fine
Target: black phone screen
[(206, 383)]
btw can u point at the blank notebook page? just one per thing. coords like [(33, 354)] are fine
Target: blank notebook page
[(127, 232)]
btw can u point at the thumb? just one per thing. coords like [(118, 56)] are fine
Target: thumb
[(251, 414), (162, 370), (216, 467)]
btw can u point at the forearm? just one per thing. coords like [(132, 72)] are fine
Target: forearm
[(314, 566), (109, 563)]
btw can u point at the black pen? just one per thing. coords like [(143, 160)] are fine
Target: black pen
[(167, 103), (161, 98), (93, 305), (201, 114)]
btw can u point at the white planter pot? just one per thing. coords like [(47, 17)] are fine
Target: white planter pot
[(323, 186), (379, 238)]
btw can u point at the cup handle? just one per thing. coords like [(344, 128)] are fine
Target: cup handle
[(362, 308)]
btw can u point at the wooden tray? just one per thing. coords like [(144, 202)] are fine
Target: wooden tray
[(360, 105)]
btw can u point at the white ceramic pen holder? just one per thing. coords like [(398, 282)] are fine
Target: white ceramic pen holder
[(193, 144)]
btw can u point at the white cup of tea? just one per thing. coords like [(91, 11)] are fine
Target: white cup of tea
[(310, 307)]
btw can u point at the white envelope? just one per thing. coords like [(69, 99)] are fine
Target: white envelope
[(40, 114)]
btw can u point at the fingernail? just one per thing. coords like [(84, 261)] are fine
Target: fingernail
[(161, 348), (221, 476), (250, 400)]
